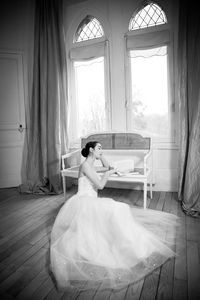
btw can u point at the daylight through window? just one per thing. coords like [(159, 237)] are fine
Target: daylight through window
[(150, 15), (149, 97), (89, 28), (90, 96)]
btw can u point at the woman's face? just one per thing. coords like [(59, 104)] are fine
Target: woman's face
[(97, 151)]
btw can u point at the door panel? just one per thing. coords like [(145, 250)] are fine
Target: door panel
[(12, 118)]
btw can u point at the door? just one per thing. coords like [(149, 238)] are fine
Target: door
[(12, 119)]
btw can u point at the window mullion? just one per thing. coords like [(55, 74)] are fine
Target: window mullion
[(128, 90)]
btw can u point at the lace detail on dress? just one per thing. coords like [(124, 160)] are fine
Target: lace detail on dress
[(88, 275)]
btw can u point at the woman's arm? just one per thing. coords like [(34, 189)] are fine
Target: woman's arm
[(104, 162), (105, 165), (91, 174)]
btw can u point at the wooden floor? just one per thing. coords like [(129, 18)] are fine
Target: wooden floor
[(25, 226)]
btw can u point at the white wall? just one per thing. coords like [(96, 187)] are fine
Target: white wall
[(16, 32)]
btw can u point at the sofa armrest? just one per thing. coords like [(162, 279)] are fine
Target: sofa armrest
[(147, 156), (68, 155)]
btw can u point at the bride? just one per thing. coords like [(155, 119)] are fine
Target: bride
[(99, 240)]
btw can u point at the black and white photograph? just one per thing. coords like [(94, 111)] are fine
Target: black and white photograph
[(99, 150)]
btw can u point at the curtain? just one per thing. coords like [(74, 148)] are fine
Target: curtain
[(147, 40), (47, 135), (189, 100), (89, 51)]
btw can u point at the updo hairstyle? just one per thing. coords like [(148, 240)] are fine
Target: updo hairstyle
[(86, 150)]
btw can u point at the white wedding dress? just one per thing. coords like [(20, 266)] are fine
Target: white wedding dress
[(99, 240)]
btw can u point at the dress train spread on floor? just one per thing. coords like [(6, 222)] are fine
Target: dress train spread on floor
[(101, 241)]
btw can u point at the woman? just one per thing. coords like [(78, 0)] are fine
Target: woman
[(101, 241)]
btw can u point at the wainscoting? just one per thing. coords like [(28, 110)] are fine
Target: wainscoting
[(25, 227)]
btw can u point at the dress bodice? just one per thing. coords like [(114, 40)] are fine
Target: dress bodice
[(86, 187)]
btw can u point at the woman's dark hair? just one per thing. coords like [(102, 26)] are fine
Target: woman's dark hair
[(86, 150)]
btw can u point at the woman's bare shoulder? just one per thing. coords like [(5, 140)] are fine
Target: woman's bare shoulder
[(84, 166)]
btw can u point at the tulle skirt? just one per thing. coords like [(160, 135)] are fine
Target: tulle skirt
[(98, 240)]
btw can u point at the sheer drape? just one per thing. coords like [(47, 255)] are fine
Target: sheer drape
[(189, 99), (47, 138)]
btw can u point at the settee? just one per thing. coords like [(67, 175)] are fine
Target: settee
[(129, 152)]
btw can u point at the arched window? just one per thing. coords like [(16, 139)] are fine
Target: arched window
[(89, 68), (89, 28), (150, 100), (150, 15)]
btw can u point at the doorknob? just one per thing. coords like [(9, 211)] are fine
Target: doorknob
[(20, 128)]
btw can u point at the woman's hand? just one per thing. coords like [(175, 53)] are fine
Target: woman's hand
[(104, 162), (111, 171), (110, 168)]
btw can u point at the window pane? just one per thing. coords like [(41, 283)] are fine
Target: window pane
[(89, 28), (149, 99), (150, 15), (90, 96)]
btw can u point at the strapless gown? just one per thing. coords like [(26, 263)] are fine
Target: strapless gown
[(99, 240)]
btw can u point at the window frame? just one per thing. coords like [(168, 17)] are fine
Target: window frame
[(146, 3), (172, 109), (81, 46), (75, 34)]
